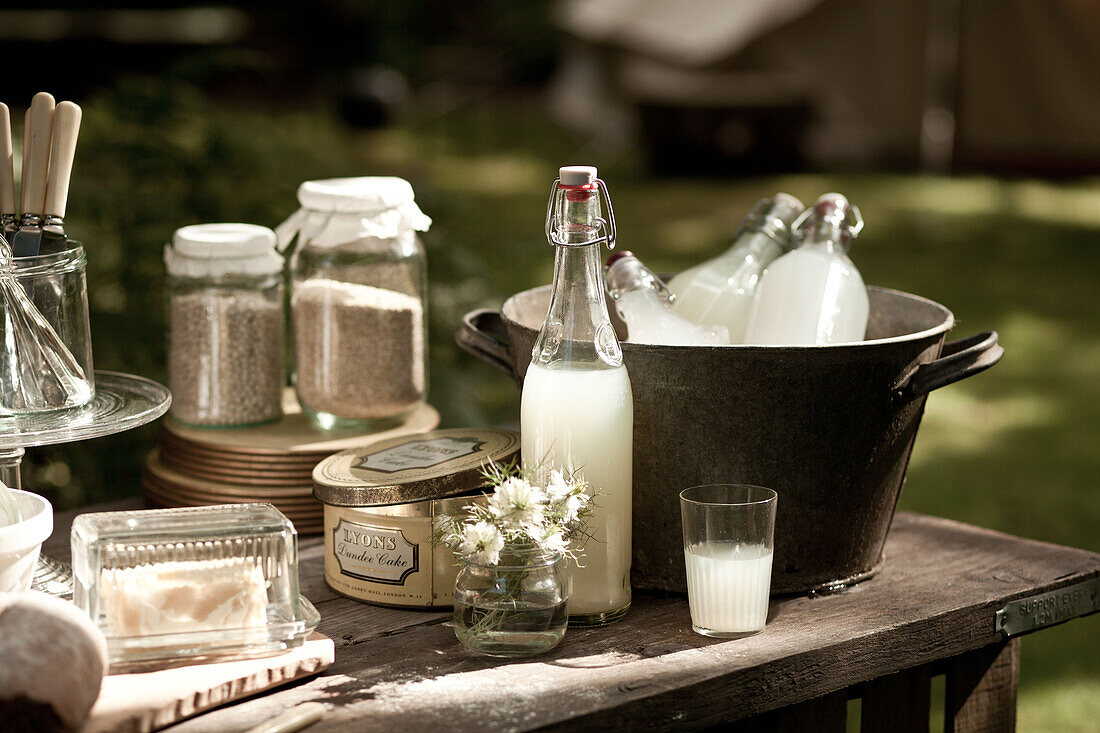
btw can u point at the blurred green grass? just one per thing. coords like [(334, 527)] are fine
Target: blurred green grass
[(1014, 449)]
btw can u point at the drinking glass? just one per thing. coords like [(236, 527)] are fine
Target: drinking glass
[(728, 531)]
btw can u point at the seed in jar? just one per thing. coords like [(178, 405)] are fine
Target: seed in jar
[(225, 358), (359, 349)]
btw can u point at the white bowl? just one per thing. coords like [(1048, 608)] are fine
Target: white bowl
[(21, 542)]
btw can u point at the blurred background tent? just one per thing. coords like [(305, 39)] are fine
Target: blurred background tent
[(933, 85), (966, 130), (965, 85)]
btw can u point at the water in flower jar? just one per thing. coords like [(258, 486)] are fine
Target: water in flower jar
[(515, 607), (720, 291), (814, 294), (577, 412)]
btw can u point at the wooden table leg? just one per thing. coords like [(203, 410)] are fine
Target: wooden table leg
[(981, 689), (897, 703), (825, 714)]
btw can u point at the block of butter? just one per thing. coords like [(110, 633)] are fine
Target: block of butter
[(209, 582), (177, 597)]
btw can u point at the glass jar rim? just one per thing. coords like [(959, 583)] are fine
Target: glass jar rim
[(707, 495), (232, 278), (70, 259)]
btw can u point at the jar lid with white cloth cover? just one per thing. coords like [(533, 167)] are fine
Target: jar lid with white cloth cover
[(212, 250), (337, 211), (358, 276)]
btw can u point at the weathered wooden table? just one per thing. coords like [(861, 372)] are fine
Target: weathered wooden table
[(931, 610)]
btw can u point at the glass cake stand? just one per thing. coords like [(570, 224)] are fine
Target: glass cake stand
[(122, 402)]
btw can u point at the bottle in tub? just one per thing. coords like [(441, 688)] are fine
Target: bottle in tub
[(814, 294), (643, 302), (720, 291)]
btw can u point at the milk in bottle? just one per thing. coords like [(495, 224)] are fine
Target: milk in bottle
[(644, 304), (720, 291), (814, 294), (577, 411)]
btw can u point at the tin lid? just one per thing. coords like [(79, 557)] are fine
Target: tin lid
[(412, 467)]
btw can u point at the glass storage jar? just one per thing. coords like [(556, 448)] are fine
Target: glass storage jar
[(358, 300), (225, 325)]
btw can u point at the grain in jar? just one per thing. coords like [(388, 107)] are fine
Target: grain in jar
[(225, 325), (335, 374), (358, 287)]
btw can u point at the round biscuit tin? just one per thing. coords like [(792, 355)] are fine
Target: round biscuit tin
[(380, 503)]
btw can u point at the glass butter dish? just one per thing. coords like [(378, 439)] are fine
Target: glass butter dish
[(184, 584)]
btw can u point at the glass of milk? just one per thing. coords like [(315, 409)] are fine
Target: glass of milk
[(728, 531)]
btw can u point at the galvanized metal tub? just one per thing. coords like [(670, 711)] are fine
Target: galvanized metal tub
[(830, 428)]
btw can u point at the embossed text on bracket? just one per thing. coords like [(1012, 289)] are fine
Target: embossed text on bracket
[(1046, 609)]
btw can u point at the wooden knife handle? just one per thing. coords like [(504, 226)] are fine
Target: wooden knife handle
[(26, 148), (7, 173), (36, 158), (66, 127)]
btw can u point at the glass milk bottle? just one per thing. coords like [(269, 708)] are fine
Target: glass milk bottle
[(720, 291), (643, 301), (577, 412), (814, 294)]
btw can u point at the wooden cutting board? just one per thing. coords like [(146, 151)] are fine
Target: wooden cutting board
[(149, 701)]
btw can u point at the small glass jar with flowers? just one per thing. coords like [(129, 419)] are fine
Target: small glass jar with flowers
[(512, 592)]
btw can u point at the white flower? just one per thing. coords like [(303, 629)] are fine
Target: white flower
[(518, 503), (573, 506), (558, 488), (535, 531), (446, 525), (482, 543), (555, 542)]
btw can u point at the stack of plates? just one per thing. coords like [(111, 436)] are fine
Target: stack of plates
[(272, 463)]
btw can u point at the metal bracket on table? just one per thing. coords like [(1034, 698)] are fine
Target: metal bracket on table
[(1047, 609)]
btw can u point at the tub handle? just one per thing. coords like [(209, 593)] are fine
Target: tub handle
[(484, 335), (958, 360)]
